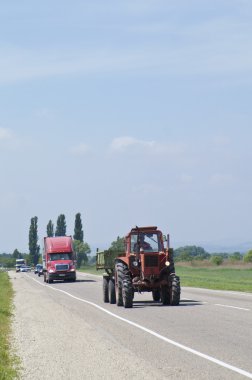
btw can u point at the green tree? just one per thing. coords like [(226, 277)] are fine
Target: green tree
[(61, 226), (190, 252), (16, 254), (236, 256), (82, 250), (50, 229), (78, 232), (118, 244), (248, 257), (33, 241)]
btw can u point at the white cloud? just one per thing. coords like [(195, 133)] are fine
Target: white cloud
[(221, 179), (185, 178), (131, 144), (80, 149), (147, 188), (5, 134), (11, 142), (221, 141), (122, 144)]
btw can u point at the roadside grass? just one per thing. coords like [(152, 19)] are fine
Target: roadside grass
[(90, 269), (216, 278), (8, 362), (210, 277)]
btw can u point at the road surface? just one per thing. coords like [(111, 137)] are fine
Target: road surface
[(64, 330)]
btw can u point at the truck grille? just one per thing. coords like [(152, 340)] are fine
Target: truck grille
[(151, 261), (62, 267)]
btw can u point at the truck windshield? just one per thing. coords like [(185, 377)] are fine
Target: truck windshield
[(61, 256)]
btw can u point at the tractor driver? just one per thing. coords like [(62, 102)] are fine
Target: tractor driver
[(144, 245)]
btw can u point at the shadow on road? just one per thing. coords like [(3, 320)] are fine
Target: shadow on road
[(58, 282), (183, 303)]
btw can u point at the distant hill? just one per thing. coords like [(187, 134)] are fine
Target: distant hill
[(221, 246)]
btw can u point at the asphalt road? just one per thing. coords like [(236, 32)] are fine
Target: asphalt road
[(65, 329)]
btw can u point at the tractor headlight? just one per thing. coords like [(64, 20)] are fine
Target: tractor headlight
[(135, 264), (167, 263)]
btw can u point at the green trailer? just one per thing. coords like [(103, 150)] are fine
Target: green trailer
[(105, 260)]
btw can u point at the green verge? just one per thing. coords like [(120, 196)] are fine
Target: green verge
[(210, 278), (90, 269), (8, 362), (216, 278)]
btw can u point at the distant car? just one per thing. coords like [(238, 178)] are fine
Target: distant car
[(40, 271), (38, 268), (25, 268)]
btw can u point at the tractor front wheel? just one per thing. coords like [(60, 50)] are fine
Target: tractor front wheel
[(127, 291), (118, 283), (174, 290)]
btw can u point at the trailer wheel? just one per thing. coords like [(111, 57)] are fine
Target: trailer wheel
[(174, 290), (111, 291), (105, 290), (156, 294)]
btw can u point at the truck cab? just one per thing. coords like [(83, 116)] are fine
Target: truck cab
[(59, 259)]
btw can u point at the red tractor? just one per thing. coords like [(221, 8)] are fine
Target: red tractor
[(145, 265)]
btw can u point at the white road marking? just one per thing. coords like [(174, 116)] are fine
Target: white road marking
[(228, 292), (232, 307), (153, 333)]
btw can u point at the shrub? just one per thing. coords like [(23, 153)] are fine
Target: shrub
[(217, 260)]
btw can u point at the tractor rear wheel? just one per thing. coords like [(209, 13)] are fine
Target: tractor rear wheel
[(105, 289), (156, 294), (111, 291), (174, 290)]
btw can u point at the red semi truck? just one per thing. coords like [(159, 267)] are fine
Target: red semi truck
[(59, 259)]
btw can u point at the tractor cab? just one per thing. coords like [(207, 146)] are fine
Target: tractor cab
[(144, 239)]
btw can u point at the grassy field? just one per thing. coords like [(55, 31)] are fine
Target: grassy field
[(216, 278), (212, 277), (8, 362)]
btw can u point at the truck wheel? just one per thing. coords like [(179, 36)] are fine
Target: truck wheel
[(174, 290), (156, 294), (111, 291), (165, 295), (105, 290), (118, 285)]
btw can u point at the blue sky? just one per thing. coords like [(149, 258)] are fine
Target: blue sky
[(131, 113)]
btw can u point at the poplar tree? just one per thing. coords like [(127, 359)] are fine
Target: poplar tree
[(50, 229), (33, 241), (78, 232), (61, 226)]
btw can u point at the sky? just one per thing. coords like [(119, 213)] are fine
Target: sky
[(132, 112)]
